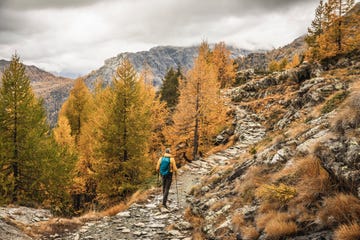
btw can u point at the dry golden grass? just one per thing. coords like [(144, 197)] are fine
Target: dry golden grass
[(196, 223), (222, 147), (114, 210), (267, 206), (296, 129), (313, 181), (219, 204), (341, 208), (55, 225), (276, 229), (349, 114), (263, 219), (249, 233), (253, 178), (197, 236), (237, 222), (348, 232)]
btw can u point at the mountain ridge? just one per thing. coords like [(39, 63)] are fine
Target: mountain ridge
[(159, 59)]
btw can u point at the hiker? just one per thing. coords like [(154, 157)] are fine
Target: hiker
[(166, 166)]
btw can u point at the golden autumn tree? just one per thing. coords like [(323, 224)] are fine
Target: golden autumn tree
[(74, 116), (122, 162), (333, 30), (294, 62), (224, 65), (200, 111)]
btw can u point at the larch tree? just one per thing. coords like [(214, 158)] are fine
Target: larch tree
[(125, 136), (74, 116), (33, 167), (200, 111), (77, 108), (330, 33), (224, 65)]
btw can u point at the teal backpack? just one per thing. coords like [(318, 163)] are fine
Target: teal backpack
[(165, 166)]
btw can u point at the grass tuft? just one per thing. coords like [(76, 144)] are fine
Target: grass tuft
[(348, 232), (340, 209)]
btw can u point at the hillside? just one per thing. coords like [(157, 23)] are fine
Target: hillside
[(160, 59), (54, 90), (305, 166), (259, 60)]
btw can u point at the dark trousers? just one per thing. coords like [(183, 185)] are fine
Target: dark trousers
[(166, 183)]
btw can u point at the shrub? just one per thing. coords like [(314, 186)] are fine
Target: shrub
[(348, 232), (281, 193), (252, 151)]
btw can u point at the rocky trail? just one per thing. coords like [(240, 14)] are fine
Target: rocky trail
[(147, 220)]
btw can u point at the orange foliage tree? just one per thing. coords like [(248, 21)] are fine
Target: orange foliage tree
[(200, 112)]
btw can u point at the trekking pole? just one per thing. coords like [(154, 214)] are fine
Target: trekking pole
[(177, 191), (158, 179)]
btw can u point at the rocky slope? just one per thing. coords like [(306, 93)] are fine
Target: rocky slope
[(160, 59), (54, 90), (307, 165)]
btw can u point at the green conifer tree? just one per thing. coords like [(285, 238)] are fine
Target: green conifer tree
[(33, 168), (169, 91)]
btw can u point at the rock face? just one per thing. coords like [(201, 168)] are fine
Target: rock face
[(160, 59), (54, 90), (20, 216)]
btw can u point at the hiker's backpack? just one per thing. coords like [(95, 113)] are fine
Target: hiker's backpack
[(165, 166)]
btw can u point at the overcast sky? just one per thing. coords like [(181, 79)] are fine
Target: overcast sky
[(73, 37)]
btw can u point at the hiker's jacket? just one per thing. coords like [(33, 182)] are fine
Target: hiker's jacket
[(173, 167)]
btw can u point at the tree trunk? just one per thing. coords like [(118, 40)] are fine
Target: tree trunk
[(125, 152), (15, 163), (196, 129)]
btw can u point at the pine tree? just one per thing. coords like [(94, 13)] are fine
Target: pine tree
[(125, 134), (32, 165), (74, 116), (225, 66), (316, 27), (200, 111), (169, 91)]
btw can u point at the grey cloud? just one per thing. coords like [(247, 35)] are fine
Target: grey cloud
[(58, 36), (42, 4)]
